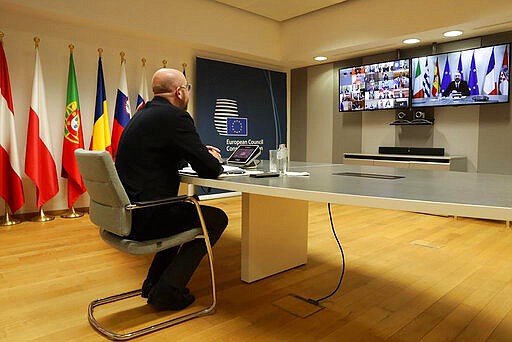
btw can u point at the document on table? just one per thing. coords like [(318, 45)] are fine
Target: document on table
[(228, 170)]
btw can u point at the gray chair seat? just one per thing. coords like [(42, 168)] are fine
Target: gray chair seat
[(148, 246)]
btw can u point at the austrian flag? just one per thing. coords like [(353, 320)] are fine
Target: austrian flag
[(11, 187)]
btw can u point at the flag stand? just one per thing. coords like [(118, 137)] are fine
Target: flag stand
[(72, 214), (7, 220), (42, 217)]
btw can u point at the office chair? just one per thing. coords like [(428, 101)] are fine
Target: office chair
[(111, 210)]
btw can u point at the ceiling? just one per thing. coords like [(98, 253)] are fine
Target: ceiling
[(280, 10)]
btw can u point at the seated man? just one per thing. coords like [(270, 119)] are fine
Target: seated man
[(154, 145), (457, 86)]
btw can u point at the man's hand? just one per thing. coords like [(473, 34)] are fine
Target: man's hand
[(214, 151)]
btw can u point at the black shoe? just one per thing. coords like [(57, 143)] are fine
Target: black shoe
[(165, 297), (148, 284), (146, 287)]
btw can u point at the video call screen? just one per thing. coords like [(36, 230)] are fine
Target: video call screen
[(374, 86), (474, 76)]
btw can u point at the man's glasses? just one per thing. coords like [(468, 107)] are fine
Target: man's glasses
[(186, 86)]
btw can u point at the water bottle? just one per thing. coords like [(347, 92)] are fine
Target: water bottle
[(282, 159)]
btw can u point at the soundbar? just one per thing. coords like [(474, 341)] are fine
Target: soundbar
[(417, 151)]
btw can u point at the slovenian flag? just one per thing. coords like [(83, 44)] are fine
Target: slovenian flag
[(100, 140), (122, 111), (490, 87), (39, 162), (473, 78), (142, 96)]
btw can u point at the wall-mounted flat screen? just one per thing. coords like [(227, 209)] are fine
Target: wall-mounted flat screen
[(476, 76), (374, 86)]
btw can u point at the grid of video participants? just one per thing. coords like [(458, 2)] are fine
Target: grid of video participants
[(375, 86)]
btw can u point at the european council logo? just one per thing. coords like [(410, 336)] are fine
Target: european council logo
[(237, 126), (227, 120)]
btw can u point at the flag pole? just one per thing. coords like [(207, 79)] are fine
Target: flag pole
[(164, 62), (72, 213), (7, 219), (42, 217)]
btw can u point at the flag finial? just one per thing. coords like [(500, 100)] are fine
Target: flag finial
[(71, 47), (164, 62), (100, 52), (122, 54), (36, 41), (143, 61), (2, 35)]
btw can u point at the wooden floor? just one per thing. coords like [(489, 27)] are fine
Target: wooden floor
[(409, 277)]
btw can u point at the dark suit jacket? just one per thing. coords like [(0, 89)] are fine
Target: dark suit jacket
[(463, 88), (153, 147)]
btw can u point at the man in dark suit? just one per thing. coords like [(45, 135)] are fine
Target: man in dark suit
[(155, 144), (457, 86)]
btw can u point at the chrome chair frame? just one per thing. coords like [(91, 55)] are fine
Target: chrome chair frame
[(141, 247)]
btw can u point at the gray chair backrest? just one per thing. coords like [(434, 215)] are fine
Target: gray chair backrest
[(108, 197)]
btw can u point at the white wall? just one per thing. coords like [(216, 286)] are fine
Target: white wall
[(319, 117), (456, 129), (376, 130), (59, 23)]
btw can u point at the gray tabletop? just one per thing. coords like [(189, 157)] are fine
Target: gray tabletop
[(438, 192)]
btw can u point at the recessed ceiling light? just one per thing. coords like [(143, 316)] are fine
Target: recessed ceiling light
[(320, 58), (411, 41), (454, 33)]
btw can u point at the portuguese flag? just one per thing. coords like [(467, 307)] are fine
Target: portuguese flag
[(73, 138)]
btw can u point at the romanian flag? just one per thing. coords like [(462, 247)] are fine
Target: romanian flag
[(100, 139), (11, 187), (122, 112), (39, 162), (73, 138)]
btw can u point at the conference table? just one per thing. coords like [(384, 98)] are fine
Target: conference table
[(275, 210)]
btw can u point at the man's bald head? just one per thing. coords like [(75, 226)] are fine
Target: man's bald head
[(172, 85), (166, 80)]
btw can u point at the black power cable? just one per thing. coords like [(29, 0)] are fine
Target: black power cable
[(317, 301)]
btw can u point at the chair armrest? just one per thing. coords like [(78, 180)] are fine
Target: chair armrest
[(158, 202)]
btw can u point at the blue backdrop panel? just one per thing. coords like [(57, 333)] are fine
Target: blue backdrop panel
[(237, 104)]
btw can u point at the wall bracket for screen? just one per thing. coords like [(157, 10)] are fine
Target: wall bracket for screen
[(416, 117)]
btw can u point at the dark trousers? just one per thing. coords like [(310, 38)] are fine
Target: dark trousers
[(175, 266)]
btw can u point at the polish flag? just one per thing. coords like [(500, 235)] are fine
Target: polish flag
[(39, 162), (11, 187)]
